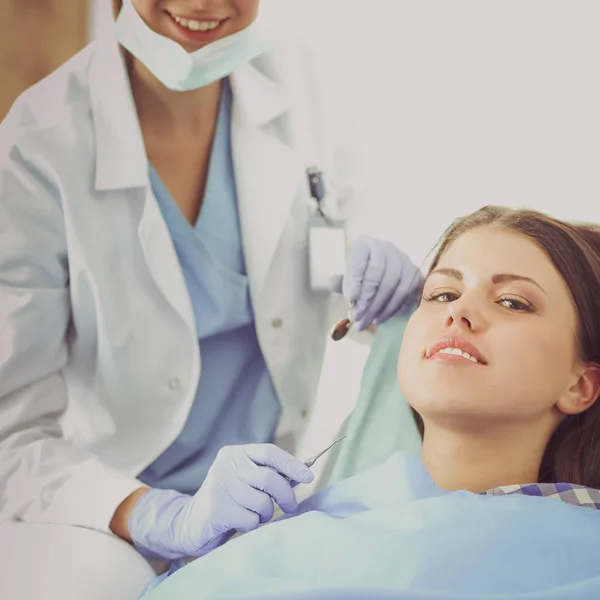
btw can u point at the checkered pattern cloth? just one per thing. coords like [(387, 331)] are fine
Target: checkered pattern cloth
[(579, 495)]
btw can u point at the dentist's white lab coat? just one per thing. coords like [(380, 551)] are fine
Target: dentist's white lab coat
[(99, 357)]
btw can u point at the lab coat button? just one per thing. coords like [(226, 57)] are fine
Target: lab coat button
[(277, 323), (304, 413), (174, 384)]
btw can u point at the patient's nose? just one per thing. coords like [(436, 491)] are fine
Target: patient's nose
[(463, 320), (462, 313)]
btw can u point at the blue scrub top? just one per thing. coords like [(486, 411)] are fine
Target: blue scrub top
[(235, 400)]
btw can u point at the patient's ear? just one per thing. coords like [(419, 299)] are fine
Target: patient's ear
[(583, 393)]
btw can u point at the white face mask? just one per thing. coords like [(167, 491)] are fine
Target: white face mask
[(177, 69)]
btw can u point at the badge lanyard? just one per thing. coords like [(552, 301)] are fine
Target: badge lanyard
[(326, 238)]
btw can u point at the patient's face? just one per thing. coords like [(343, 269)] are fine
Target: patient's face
[(497, 297)]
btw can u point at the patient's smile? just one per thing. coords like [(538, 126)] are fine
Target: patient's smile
[(455, 349), (456, 352)]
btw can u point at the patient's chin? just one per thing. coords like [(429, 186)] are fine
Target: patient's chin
[(443, 407), (436, 389)]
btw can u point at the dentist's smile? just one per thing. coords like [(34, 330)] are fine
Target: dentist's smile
[(197, 30)]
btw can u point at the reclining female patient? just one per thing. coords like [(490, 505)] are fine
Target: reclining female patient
[(500, 361)]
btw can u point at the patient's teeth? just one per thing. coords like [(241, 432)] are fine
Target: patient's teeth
[(458, 352)]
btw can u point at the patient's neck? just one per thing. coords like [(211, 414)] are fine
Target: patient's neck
[(478, 461)]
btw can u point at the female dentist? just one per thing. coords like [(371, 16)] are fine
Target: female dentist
[(157, 325)]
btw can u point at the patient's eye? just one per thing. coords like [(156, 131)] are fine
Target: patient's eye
[(441, 296), (516, 304)]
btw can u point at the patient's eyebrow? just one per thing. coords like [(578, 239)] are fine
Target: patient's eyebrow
[(455, 273), (496, 279), (503, 277)]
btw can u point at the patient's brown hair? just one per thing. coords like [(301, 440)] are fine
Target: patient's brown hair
[(573, 453)]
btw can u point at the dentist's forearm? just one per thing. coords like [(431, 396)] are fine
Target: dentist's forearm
[(119, 524)]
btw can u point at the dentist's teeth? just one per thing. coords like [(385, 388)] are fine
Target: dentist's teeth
[(197, 25), (458, 352)]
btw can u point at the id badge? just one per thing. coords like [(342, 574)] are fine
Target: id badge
[(326, 251)]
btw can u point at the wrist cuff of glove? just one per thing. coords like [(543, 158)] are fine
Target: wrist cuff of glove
[(155, 521)]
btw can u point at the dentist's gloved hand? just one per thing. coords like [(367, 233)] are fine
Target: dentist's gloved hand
[(237, 495), (380, 279)]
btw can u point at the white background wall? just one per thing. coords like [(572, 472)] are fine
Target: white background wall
[(465, 103)]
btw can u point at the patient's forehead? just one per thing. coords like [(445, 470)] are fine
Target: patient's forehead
[(489, 249)]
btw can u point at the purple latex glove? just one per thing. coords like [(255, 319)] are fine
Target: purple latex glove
[(237, 495), (380, 279)]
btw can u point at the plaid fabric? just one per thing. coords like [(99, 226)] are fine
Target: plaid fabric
[(579, 495)]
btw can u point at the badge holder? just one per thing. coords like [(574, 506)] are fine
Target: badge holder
[(326, 238)]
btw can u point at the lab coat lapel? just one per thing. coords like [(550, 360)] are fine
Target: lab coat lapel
[(122, 170), (268, 172), (162, 259), (121, 161)]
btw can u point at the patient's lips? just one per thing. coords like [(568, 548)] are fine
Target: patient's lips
[(457, 350)]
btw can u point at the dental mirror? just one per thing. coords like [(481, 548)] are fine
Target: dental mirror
[(341, 328)]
